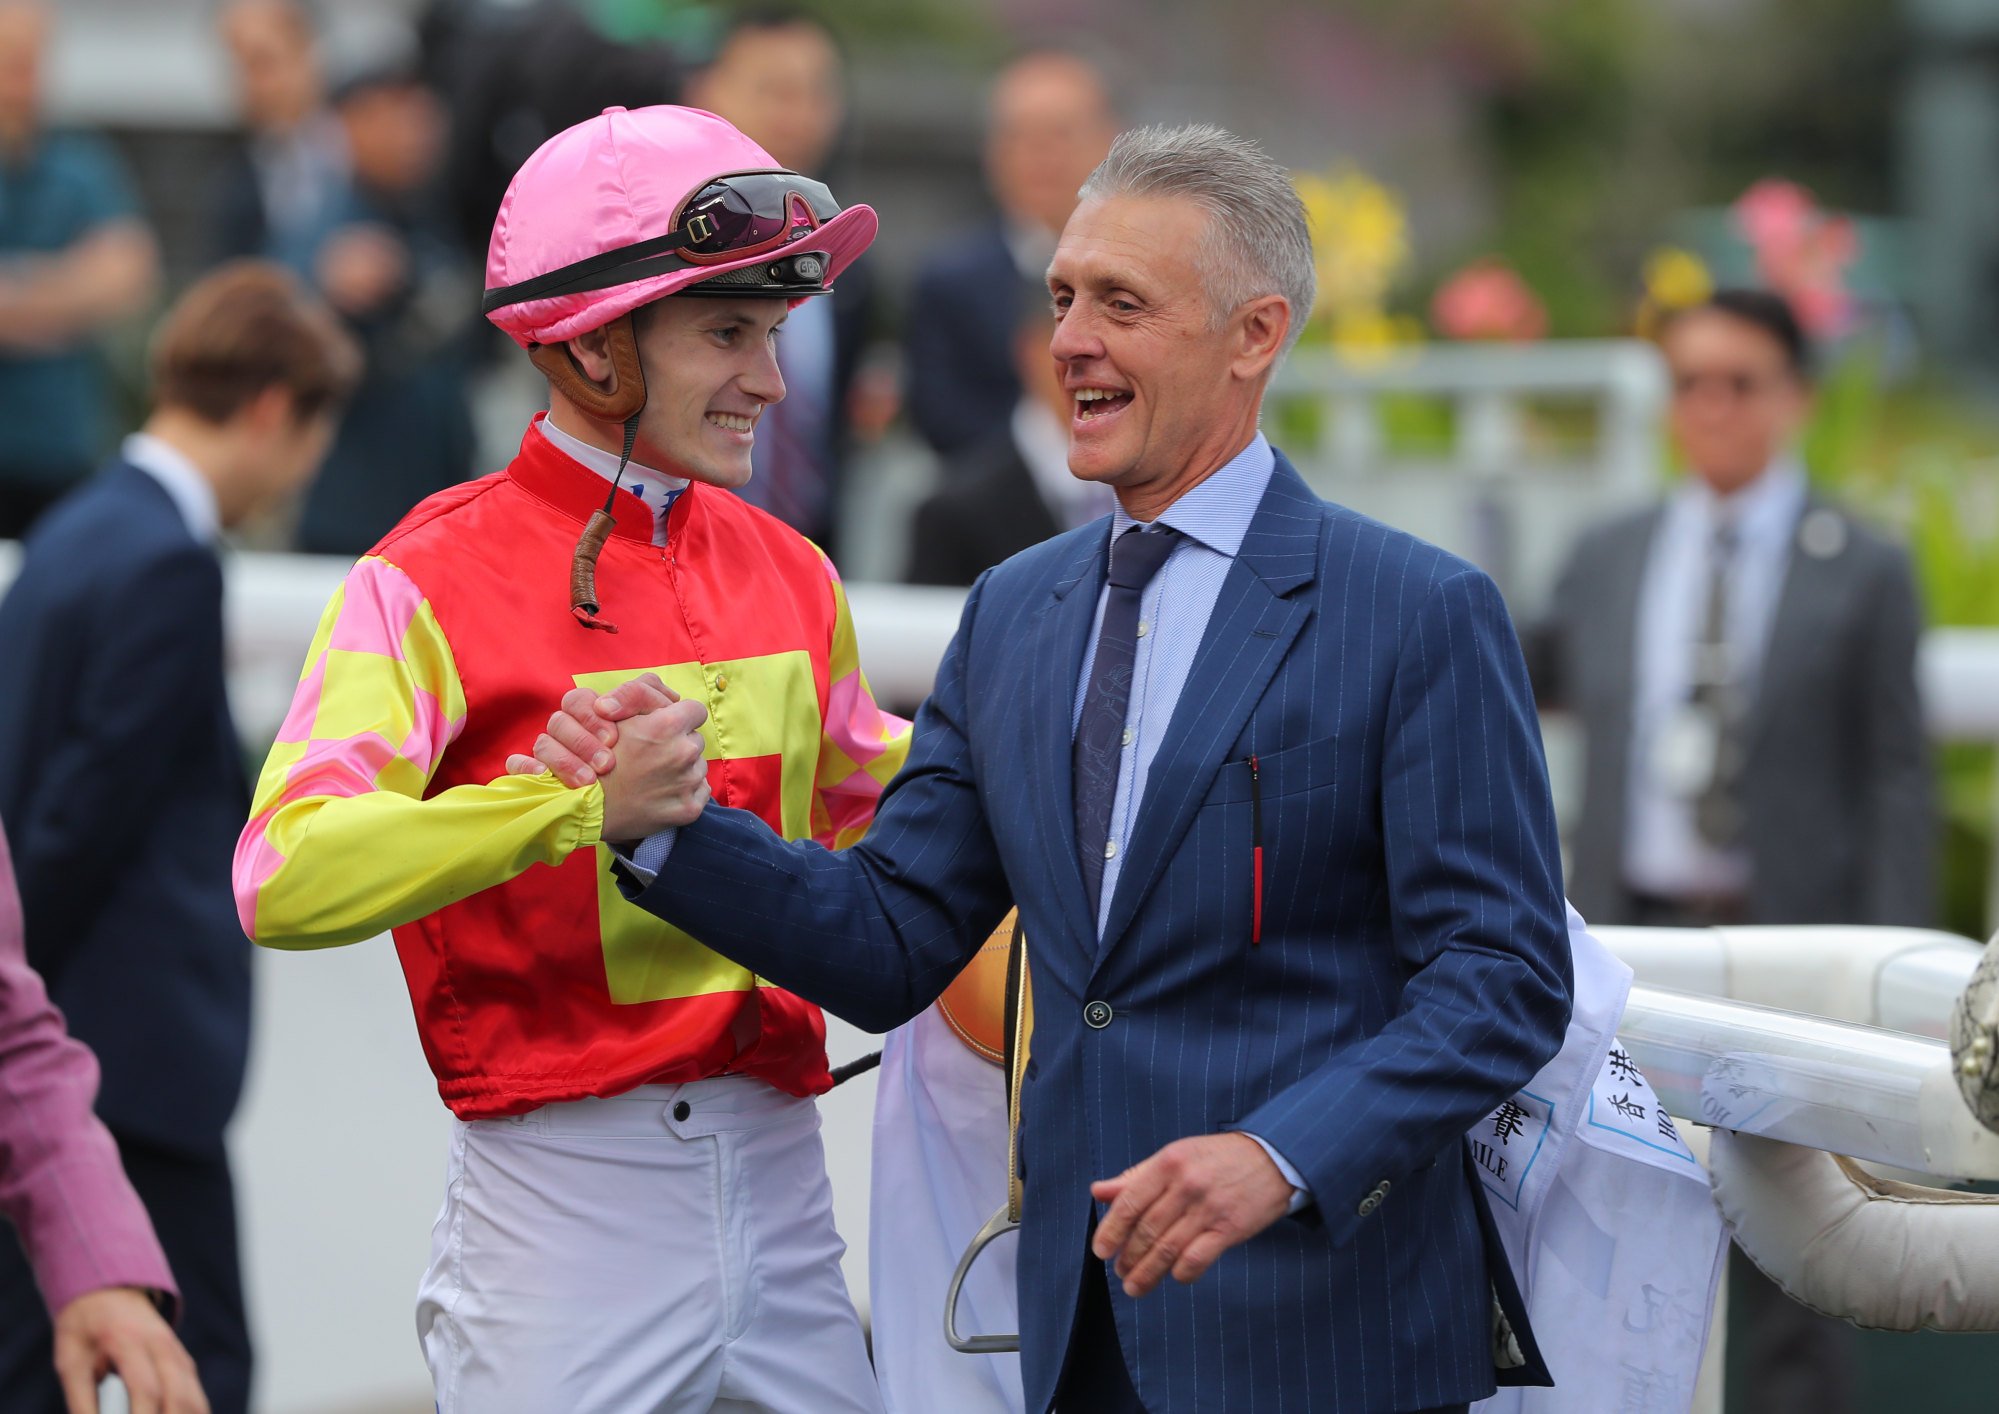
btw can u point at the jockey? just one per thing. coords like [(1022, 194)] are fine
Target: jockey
[(637, 1213)]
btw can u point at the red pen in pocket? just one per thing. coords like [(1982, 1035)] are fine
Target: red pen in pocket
[(1256, 851)]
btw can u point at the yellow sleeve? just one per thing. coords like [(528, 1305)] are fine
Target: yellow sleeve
[(862, 747), (341, 843)]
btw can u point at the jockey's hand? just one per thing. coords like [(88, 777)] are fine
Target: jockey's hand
[(1186, 1205), (581, 733)]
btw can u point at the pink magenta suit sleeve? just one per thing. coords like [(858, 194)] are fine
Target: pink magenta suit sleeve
[(862, 746), (60, 1179)]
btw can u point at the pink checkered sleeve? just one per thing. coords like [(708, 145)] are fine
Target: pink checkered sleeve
[(862, 747), (342, 843)]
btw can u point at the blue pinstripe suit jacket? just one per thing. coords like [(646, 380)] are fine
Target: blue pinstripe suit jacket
[(1413, 969)]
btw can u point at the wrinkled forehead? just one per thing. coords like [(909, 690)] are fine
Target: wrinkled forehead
[(1150, 244)]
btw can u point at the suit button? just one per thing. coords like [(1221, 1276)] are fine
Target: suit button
[(1097, 1015), (682, 1110), (1368, 1205)]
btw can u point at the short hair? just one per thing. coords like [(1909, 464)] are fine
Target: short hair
[(761, 19), (245, 328), (1768, 311), (1109, 79), (1257, 241)]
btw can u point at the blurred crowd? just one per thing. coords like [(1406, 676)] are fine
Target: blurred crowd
[(376, 181)]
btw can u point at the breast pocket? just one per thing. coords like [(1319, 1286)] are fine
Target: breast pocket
[(1276, 774)]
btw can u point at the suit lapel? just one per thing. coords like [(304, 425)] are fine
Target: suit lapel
[(1625, 593), (1251, 630), (1811, 585), (1050, 706)]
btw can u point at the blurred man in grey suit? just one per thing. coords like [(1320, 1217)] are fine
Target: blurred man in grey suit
[(1741, 658)]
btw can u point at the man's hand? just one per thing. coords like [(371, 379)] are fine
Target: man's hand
[(117, 1329), (656, 781), (1185, 1206)]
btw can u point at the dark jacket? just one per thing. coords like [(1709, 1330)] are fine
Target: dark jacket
[(988, 510), (959, 339), (123, 789), (1836, 790)]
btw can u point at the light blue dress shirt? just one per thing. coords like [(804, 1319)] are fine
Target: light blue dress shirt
[(1173, 615)]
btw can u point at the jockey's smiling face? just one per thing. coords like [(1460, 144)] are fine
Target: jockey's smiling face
[(711, 371)]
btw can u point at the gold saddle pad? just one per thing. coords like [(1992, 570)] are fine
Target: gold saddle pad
[(974, 1005)]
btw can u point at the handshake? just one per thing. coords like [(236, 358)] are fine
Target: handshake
[(642, 740)]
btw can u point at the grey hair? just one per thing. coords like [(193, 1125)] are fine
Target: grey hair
[(1257, 241)]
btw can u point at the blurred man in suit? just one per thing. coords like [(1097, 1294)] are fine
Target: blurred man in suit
[(1264, 780), (1050, 121), (278, 186), (1742, 659), (125, 820), (75, 258), (384, 258), (779, 76), (1015, 490)]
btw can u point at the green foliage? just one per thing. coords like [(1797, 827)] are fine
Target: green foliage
[(1919, 461), (880, 25)]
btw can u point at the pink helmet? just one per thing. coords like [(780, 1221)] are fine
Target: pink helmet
[(635, 205)]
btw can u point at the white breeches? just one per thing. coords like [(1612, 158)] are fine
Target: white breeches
[(667, 1251)]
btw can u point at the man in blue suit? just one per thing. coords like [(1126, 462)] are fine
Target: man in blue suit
[(122, 783), (1265, 781)]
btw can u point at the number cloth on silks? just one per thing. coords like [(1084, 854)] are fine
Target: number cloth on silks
[(1605, 1216), (386, 803)]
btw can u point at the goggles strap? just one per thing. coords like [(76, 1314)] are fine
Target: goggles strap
[(622, 401)]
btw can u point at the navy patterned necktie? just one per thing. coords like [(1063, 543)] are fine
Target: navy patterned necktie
[(1135, 559)]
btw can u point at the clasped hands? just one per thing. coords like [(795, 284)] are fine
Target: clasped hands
[(642, 740), (1172, 1214)]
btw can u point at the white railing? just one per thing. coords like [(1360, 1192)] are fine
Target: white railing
[(1502, 491)]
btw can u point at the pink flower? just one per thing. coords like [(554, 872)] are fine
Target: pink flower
[(1488, 300), (1802, 252)]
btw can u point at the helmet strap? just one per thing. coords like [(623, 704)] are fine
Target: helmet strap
[(623, 401), (623, 398)]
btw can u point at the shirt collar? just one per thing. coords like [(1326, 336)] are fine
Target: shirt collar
[(1218, 511), (1763, 511), (1031, 247), (192, 496), (655, 488)]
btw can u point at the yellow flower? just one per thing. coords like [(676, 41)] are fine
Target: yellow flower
[(1369, 338), (1676, 279), (1360, 238)]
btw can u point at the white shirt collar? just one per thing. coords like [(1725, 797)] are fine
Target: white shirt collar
[(1043, 444), (192, 496), (655, 488), (1031, 247), (1764, 512)]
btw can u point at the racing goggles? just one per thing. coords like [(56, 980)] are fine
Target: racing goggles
[(733, 217)]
